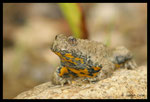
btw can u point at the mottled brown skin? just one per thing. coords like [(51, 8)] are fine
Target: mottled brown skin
[(87, 60)]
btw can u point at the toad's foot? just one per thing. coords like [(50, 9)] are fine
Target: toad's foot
[(122, 58)]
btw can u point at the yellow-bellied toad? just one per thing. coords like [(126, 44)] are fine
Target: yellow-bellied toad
[(88, 60)]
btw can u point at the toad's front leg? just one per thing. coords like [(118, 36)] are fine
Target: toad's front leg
[(61, 76)]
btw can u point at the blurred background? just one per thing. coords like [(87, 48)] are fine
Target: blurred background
[(30, 28)]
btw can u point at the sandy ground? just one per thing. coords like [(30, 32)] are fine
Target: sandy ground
[(123, 84)]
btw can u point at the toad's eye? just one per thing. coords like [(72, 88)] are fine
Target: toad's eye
[(72, 41)]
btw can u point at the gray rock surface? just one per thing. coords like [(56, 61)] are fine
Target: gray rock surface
[(123, 84)]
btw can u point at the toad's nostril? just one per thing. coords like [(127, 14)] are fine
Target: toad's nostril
[(56, 37)]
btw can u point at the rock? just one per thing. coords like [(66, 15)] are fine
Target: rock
[(123, 84)]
